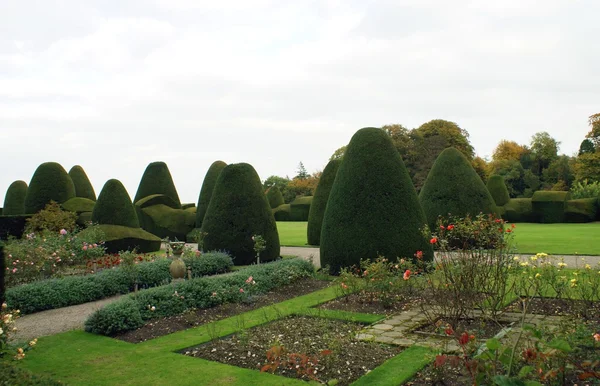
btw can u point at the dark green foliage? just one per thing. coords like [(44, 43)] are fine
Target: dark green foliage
[(114, 206), (157, 180), (319, 202), (14, 201), (188, 205), (84, 218), (71, 290), (519, 210), (498, 190), (549, 206), (454, 187), (79, 205), (12, 374), (156, 199), (283, 213), (52, 218), (581, 210), (275, 197), (300, 208), (163, 221), (198, 293), (2, 269), (122, 238), (83, 186), (587, 147), (50, 182), (13, 226), (373, 207), (237, 211), (208, 186)]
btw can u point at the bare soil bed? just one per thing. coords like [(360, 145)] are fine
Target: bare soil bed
[(359, 302)]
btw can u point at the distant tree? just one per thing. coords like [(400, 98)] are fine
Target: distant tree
[(587, 167), (513, 173), (544, 150), (508, 150), (480, 166), (586, 147), (594, 134), (456, 137), (280, 182), (560, 170), (304, 186), (302, 174)]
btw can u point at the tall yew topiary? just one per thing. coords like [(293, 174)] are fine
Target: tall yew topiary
[(2, 269), (114, 206), (274, 197), (498, 190), (14, 201), (208, 185), (83, 186), (50, 182), (239, 210), (454, 187), (157, 180), (373, 209), (319, 202)]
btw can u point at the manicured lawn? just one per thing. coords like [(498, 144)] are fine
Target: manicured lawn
[(556, 239)]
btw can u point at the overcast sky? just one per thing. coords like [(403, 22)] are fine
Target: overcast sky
[(115, 85)]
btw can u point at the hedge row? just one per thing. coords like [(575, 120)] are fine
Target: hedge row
[(131, 312), (12, 226), (573, 211), (300, 208), (549, 206), (68, 291)]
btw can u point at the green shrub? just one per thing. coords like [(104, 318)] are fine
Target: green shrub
[(83, 186), (11, 374), (163, 221), (114, 206), (282, 213), (13, 226), (584, 189), (71, 290), (498, 190), (373, 209), (157, 180), (274, 196), (300, 208), (581, 210), (208, 186), (79, 205), (52, 218), (198, 293), (122, 238), (14, 201), (50, 182), (454, 187), (189, 205), (549, 206), (239, 210), (156, 199), (84, 219), (519, 210), (319, 202)]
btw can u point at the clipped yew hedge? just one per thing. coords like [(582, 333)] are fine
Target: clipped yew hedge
[(50, 182), (14, 200), (519, 210), (83, 186), (157, 180), (319, 202), (275, 197), (206, 192), (114, 206), (283, 213), (498, 190), (549, 206), (300, 208), (581, 210)]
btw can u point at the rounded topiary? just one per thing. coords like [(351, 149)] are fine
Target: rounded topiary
[(275, 197), (454, 187), (498, 190), (50, 182), (14, 201), (319, 202), (79, 205), (208, 185), (114, 206), (157, 180), (373, 209), (83, 186), (239, 210)]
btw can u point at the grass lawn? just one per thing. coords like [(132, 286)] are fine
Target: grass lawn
[(556, 239)]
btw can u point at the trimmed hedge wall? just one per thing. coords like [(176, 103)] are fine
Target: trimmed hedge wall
[(300, 208), (121, 238), (163, 221), (13, 226), (114, 206), (283, 213), (373, 207), (275, 197), (83, 186), (498, 190), (157, 180), (131, 312), (156, 199), (14, 201), (549, 206), (55, 293), (50, 182), (206, 192), (79, 205), (238, 210), (519, 210), (189, 205), (319, 202), (454, 187), (581, 210)]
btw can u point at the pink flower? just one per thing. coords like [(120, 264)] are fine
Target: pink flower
[(344, 286), (84, 247), (433, 240), (14, 270), (241, 290), (214, 294), (95, 245), (406, 275), (63, 232), (596, 337), (419, 255), (249, 280)]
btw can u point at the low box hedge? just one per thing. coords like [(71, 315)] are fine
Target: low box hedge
[(549, 206), (300, 208), (72, 290), (581, 210), (132, 312), (519, 210), (282, 213)]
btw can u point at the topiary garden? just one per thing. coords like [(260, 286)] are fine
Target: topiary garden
[(319, 202)]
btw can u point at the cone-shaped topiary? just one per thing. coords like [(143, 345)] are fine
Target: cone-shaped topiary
[(14, 201), (157, 180), (319, 202), (114, 206), (83, 186), (275, 197), (373, 207), (454, 187), (239, 210), (50, 182), (208, 185), (498, 190)]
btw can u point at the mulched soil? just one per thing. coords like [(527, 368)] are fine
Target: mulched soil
[(169, 325), (480, 328), (552, 306), (349, 359), (360, 302)]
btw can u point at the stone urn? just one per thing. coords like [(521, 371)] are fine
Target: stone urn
[(177, 268), (177, 247)]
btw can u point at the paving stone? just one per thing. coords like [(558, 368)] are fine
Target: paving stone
[(395, 321), (384, 339), (403, 342), (384, 327), (393, 334), (364, 336), (375, 332)]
